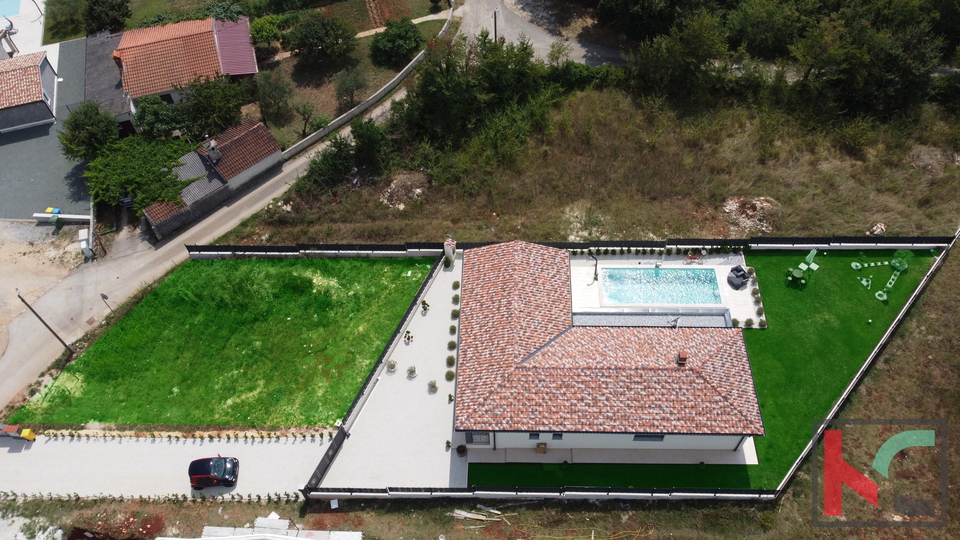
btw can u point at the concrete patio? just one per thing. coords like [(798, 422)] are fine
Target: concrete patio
[(398, 439)]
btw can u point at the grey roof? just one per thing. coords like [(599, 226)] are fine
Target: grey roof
[(27, 113), (649, 319), (102, 74), (193, 166)]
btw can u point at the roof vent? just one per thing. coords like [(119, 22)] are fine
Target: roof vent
[(682, 358)]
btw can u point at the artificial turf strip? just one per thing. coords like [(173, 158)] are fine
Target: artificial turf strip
[(817, 340), (252, 342)]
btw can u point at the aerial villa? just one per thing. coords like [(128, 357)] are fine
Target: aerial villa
[(580, 360)]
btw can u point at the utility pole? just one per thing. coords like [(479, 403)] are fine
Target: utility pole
[(495, 11), (62, 342)]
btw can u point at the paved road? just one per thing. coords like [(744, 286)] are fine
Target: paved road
[(155, 467), (478, 15)]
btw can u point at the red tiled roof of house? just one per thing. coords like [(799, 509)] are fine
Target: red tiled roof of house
[(20, 80), (233, 43), (543, 374), (242, 147), (157, 59), (159, 212)]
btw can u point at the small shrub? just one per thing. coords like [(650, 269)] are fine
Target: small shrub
[(735, 322), (749, 322), (452, 345), (412, 371), (456, 285), (446, 262), (758, 299), (455, 314), (450, 375), (432, 386), (451, 360), (751, 270), (456, 299), (763, 323), (760, 311), (391, 365), (755, 291)]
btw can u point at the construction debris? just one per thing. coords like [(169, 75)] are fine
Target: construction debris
[(488, 509), (463, 514)]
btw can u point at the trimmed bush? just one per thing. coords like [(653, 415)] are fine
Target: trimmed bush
[(453, 329), (455, 314), (760, 311), (456, 299), (735, 322), (452, 345), (456, 285), (749, 322), (450, 375), (763, 323), (451, 360)]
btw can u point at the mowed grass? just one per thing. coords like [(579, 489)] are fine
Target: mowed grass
[(258, 342), (817, 340)]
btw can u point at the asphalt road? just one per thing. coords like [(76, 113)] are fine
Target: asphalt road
[(151, 467)]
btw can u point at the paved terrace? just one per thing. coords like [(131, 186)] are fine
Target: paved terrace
[(399, 438), (586, 291)]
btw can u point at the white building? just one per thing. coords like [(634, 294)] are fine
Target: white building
[(534, 386)]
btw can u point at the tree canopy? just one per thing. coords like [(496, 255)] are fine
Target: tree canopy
[(140, 167), (86, 131), (106, 15), (212, 105), (397, 44), (157, 118), (321, 38)]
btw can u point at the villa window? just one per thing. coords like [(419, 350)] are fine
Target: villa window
[(534, 436), (478, 437), (643, 437), (558, 436)]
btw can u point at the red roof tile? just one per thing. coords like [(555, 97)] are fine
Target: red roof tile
[(242, 147), (20, 80), (158, 58), (523, 367), (159, 212)]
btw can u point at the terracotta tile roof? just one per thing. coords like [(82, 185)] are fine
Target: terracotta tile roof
[(158, 58), (159, 212), (523, 367), (20, 80), (242, 146), (233, 43)]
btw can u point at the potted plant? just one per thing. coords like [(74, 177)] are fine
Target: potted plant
[(462, 450), (391, 365), (412, 372), (432, 387)]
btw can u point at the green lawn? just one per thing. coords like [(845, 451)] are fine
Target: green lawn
[(258, 342), (817, 340)]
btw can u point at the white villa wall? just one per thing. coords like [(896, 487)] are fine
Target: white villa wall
[(611, 441)]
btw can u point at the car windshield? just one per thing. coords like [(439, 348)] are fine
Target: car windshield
[(216, 467)]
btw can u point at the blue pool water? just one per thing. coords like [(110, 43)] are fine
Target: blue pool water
[(9, 8), (659, 286)]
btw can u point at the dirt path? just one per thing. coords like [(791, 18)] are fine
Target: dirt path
[(380, 12), (34, 260)]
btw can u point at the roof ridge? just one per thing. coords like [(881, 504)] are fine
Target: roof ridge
[(709, 381)]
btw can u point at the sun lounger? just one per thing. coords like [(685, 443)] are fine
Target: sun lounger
[(814, 266)]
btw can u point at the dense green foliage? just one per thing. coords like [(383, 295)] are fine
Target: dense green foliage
[(349, 85), (106, 15), (86, 131), (273, 93), (264, 31), (397, 44), (816, 341), (157, 118), (321, 39), (371, 146), (217, 9), (210, 106), (140, 167), (257, 342), (329, 167)]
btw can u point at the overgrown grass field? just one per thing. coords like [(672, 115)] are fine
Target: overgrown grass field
[(258, 342), (817, 339)]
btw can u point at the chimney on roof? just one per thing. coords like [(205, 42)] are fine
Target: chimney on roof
[(682, 358), (213, 154), (117, 60)]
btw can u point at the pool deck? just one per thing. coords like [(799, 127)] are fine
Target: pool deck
[(586, 295), (29, 26)]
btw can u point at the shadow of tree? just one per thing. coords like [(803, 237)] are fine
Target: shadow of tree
[(312, 73)]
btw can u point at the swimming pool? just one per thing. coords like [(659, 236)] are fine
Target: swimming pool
[(9, 8), (659, 286)]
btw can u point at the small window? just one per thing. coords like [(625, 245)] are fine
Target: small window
[(534, 436), (647, 438), (167, 98), (558, 436), (478, 437)]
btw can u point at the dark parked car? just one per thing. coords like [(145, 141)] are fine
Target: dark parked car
[(215, 471)]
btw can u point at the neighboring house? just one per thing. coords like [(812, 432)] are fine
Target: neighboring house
[(27, 92), (223, 165), (534, 386), (156, 60)]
